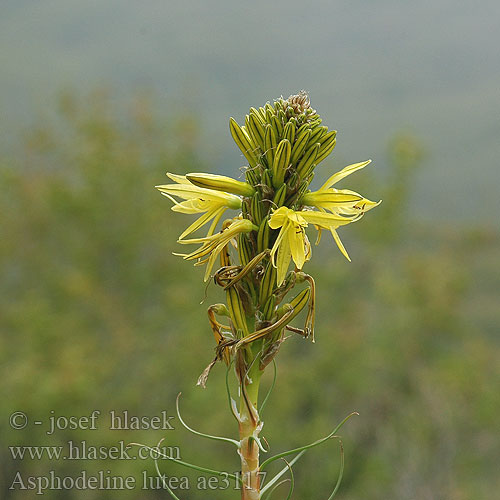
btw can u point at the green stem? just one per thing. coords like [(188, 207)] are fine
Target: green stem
[(249, 429)]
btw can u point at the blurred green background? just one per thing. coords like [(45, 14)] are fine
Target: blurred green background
[(100, 100)]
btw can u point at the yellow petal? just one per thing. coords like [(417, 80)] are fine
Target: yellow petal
[(216, 220), (283, 260), (180, 179), (296, 218), (213, 257), (195, 206), (326, 220), (318, 238), (189, 192), (277, 243), (296, 241), (331, 197), (201, 221), (337, 239), (359, 208), (307, 247), (279, 217), (343, 173)]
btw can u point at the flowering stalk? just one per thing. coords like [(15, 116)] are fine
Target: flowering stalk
[(283, 143)]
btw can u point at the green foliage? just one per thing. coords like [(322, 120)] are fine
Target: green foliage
[(97, 314)]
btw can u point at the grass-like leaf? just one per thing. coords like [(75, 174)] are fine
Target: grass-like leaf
[(292, 480), (230, 400), (259, 443), (186, 464), (202, 434), (268, 497), (162, 477), (341, 472), (307, 446), (280, 473), (263, 404)]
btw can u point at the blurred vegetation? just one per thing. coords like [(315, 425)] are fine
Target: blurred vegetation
[(97, 314)]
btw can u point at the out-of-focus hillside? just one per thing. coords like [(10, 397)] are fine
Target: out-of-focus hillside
[(431, 67), (97, 314)]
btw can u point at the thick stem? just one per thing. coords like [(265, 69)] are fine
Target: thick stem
[(249, 428)]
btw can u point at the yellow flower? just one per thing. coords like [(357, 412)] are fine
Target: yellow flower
[(197, 200), (342, 202), (212, 245), (292, 241)]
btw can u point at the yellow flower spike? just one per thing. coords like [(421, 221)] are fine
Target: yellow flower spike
[(221, 183), (212, 246), (283, 143), (212, 204)]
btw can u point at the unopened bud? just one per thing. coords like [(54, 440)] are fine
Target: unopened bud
[(221, 183)]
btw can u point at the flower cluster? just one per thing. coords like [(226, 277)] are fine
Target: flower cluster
[(283, 144)]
